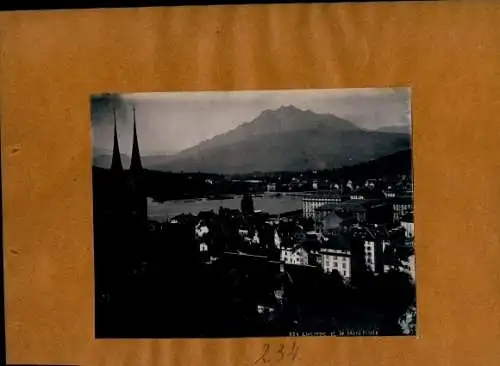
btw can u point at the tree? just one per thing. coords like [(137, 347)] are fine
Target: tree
[(407, 321)]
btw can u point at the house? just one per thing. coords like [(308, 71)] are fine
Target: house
[(336, 256), (401, 206), (376, 239), (295, 255), (408, 266), (330, 223), (369, 246), (400, 254), (304, 253), (408, 224)]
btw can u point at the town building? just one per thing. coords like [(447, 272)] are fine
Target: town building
[(401, 206), (328, 222), (408, 225), (412, 266), (408, 266), (294, 255), (369, 247), (312, 201), (376, 239), (336, 256), (354, 209), (271, 187)]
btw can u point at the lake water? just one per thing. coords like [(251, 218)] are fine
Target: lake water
[(267, 203)]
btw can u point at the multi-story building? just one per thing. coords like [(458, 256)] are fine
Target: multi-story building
[(401, 206), (370, 254), (294, 255), (330, 255), (338, 261), (412, 267), (312, 201), (373, 211), (409, 226), (376, 239), (271, 187), (336, 256), (408, 266), (353, 208), (329, 223)]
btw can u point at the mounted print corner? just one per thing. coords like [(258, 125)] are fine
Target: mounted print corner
[(253, 214)]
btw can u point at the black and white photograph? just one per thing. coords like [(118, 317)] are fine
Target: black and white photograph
[(281, 213)]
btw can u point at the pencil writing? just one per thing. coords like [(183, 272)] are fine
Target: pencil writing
[(278, 353)]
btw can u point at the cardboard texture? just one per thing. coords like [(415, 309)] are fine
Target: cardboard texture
[(52, 61)]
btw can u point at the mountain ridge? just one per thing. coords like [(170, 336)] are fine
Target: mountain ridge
[(287, 138), (283, 119), (291, 152)]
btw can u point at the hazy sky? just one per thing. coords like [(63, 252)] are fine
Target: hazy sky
[(170, 122)]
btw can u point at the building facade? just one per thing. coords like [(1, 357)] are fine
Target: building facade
[(401, 206), (408, 225), (318, 199), (336, 260), (298, 256)]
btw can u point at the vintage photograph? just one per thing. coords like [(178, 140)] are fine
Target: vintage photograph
[(253, 214)]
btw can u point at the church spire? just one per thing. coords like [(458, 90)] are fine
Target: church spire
[(116, 162), (135, 164)]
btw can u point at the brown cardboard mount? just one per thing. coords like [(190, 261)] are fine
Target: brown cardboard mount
[(52, 61)]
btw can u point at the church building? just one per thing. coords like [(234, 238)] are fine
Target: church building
[(127, 186)]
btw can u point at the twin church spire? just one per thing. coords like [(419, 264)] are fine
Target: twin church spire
[(135, 164), (116, 162)]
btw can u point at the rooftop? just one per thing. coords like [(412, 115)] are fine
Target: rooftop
[(358, 204), (328, 207), (332, 221), (322, 194)]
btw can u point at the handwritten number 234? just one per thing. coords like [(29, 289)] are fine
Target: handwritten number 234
[(280, 353)]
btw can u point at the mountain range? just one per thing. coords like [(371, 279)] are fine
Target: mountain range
[(285, 139)]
